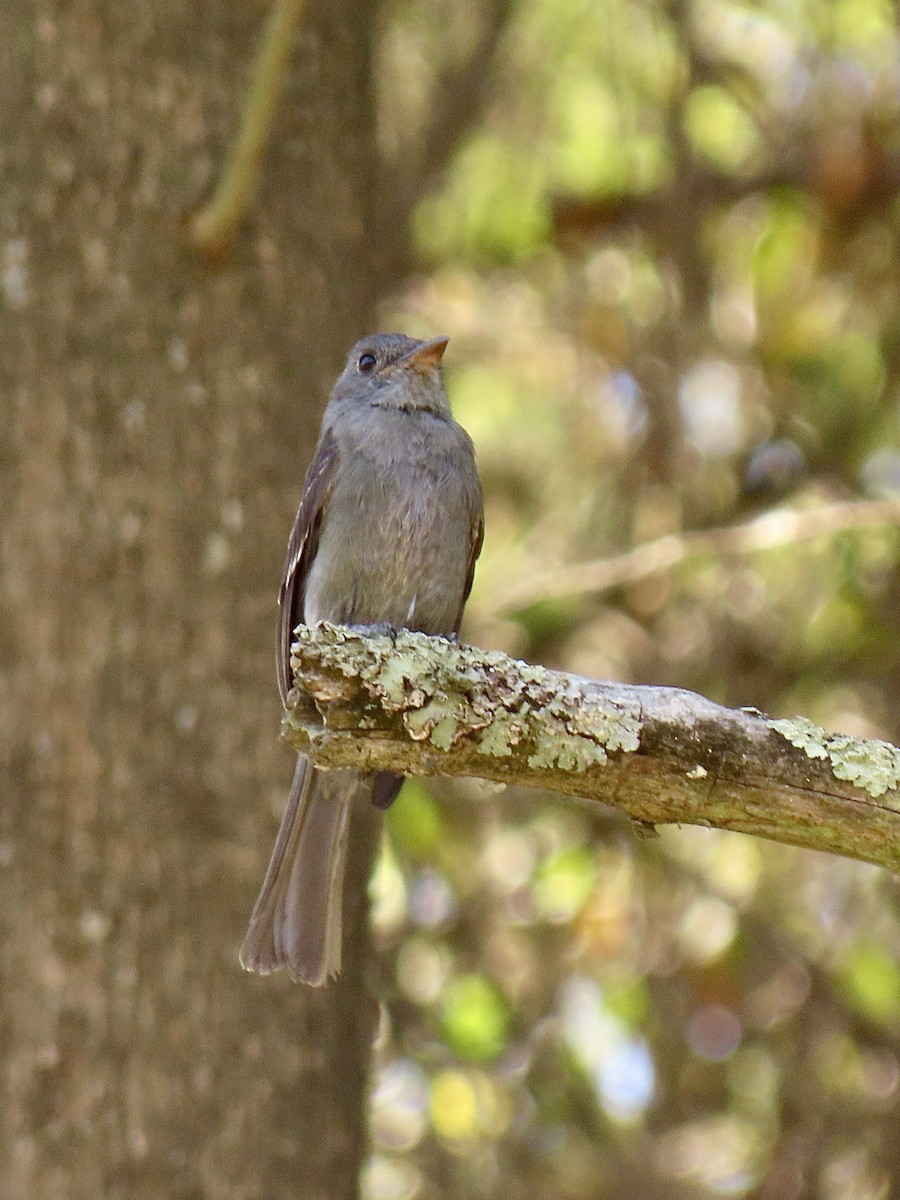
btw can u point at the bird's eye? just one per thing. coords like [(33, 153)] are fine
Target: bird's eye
[(366, 363)]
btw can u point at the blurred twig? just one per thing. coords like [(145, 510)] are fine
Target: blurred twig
[(425, 706), (779, 527), (213, 228), (461, 96), (810, 168)]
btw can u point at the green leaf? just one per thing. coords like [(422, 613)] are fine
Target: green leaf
[(416, 823), (870, 977), (719, 127), (475, 1018), (564, 881)]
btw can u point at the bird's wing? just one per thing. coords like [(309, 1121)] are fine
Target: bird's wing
[(302, 546), (476, 541)]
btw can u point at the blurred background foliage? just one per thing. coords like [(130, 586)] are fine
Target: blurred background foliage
[(665, 247)]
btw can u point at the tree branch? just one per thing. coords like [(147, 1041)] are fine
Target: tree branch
[(426, 706)]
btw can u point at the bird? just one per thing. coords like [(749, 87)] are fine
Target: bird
[(389, 528)]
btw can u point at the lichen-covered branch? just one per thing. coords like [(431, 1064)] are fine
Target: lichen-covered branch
[(427, 706)]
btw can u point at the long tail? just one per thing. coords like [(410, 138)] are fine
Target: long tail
[(296, 921)]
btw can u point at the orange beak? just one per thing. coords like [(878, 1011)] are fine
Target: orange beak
[(427, 354)]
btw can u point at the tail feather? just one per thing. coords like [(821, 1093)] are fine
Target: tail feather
[(296, 921)]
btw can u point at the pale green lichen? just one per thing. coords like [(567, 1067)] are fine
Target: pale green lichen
[(438, 721), (587, 731), (571, 733), (533, 674), (802, 733), (567, 753), (498, 738), (615, 728), (390, 678), (504, 703), (872, 765)]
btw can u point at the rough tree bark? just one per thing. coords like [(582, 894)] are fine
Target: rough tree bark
[(428, 706), (156, 421)]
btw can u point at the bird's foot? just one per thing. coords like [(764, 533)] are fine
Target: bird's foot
[(379, 629)]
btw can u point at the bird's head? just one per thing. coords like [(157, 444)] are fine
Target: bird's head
[(391, 370)]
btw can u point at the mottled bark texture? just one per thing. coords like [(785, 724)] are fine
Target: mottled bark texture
[(430, 707), (157, 418)]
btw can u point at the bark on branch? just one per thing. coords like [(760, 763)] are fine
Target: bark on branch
[(426, 706)]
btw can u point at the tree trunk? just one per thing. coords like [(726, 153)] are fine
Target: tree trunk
[(157, 417)]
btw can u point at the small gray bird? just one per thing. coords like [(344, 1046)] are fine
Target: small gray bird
[(389, 528)]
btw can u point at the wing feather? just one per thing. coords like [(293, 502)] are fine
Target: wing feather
[(476, 541), (302, 546)]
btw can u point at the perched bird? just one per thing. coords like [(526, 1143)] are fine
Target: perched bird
[(389, 527)]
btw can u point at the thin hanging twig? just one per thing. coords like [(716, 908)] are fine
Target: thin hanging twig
[(213, 228)]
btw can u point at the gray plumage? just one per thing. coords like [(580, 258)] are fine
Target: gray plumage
[(388, 531)]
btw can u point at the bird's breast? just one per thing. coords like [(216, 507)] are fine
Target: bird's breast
[(394, 548)]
